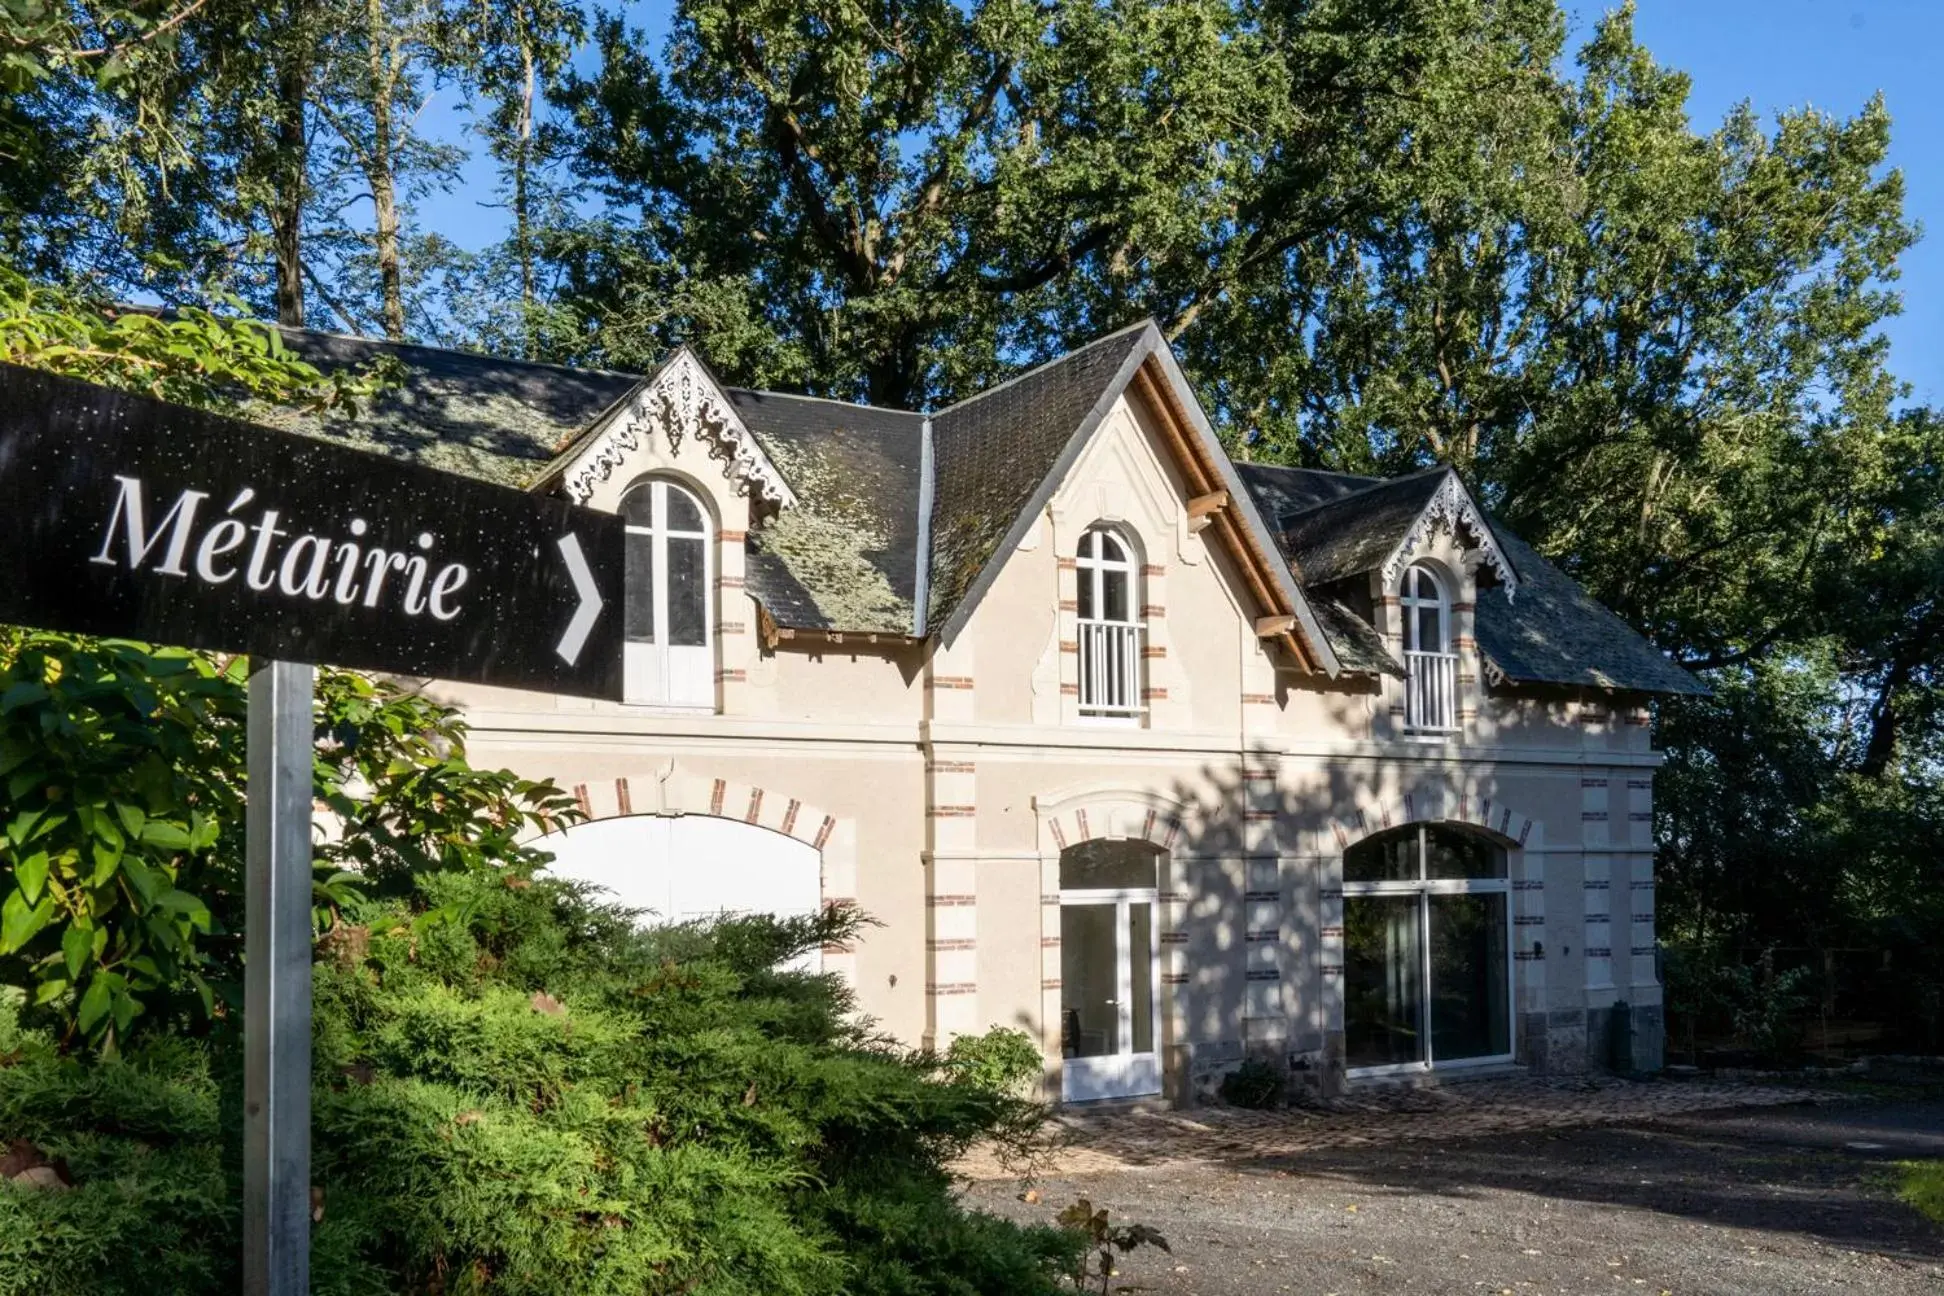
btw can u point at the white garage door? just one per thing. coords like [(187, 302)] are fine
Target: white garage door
[(692, 866)]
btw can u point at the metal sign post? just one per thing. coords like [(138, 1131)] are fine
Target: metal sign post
[(276, 984), (146, 520)]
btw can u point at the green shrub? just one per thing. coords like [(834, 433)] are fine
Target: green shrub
[(1256, 1084), (516, 1092)]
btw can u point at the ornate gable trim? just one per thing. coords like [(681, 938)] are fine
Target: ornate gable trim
[(1450, 505), (682, 401)]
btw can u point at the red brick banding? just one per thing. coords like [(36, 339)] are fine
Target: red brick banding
[(953, 811), (823, 833), (622, 798), (755, 806), (951, 681)]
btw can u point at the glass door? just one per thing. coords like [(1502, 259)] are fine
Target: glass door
[(1427, 963), (1108, 1016)]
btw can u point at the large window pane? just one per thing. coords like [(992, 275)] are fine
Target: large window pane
[(688, 594), (1452, 853), (1140, 950), (640, 600), (1469, 1012), (683, 513), (1383, 859), (1088, 576), (638, 506), (1102, 865), (1089, 981), (1114, 596), (1383, 981)]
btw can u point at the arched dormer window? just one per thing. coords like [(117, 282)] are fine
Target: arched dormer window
[(1430, 665), (670, 649), (1110, 629)]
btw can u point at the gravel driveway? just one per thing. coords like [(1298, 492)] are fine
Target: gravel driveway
[(1769, 1203)]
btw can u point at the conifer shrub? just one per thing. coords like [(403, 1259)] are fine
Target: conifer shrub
[(517, 1091)]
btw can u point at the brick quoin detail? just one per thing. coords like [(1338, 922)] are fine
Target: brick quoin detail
[(1069, 605), (1154, 695), (790, 815), (1069, 690), (1153, 569), (732, 627), (1153, 610), (953, 811), (732, 676), (1069, 646), (733, 537), (951, 944), (1258, 699), (1457, 606), (755, 806), (951, 681), (950, 901), (622, 798), (729, 582), (1066, 564), (716, 794), (823, 833), (953, 767), (942, 989), (586, 805), (1152, 651)]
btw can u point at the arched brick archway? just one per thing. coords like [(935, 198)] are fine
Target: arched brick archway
[(1501, 820), (670, 791)]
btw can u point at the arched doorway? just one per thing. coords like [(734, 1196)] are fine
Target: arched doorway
[(684, 867), (1427, 952), (1110, 1015)]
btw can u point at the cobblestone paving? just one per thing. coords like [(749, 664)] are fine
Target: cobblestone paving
[(1092, 1141)]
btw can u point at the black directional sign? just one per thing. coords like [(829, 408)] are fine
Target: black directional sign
[(131, 517)]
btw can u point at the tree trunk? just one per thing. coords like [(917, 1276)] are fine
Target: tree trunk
[(384, 192), (522, 215), (292, 171)]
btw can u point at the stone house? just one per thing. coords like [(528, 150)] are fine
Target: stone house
[(1166, 759)]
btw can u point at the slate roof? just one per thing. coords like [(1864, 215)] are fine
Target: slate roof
[(1552, 632), (1358, 531), (1555, 633), (993, 452), (846, 557), (482, 416)]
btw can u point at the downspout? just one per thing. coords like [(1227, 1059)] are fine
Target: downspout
[(921, 585)]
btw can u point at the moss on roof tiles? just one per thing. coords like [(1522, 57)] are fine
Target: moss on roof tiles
[(827, 542)]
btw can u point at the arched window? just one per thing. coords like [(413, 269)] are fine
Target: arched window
[(1110, 631), (1427, 962), (670, 655), (1431, 667)]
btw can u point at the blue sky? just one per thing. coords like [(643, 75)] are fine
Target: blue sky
[(1777, 54)]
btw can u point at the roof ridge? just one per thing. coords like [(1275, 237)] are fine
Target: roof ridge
[(826, 400), (1376, 483), (1320, 472), (1060, 359), (455, 351)]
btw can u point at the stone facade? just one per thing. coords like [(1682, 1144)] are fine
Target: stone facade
[(941, 780)]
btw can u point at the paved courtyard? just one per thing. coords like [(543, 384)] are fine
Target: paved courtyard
[(1119, 1138), (1508, 1187)]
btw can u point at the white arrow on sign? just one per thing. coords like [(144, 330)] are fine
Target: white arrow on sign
[(569, 647)]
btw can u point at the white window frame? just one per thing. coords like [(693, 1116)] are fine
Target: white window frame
[(1424, 887), (1430, 673), (659, 691), (1109, 650)]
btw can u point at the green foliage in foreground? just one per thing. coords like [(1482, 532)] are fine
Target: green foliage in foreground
[(1922, 1185), (518, 1092), (121, 823)]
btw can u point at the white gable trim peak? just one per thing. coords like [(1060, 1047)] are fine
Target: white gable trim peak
[(683, 401), (1451, 505)]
